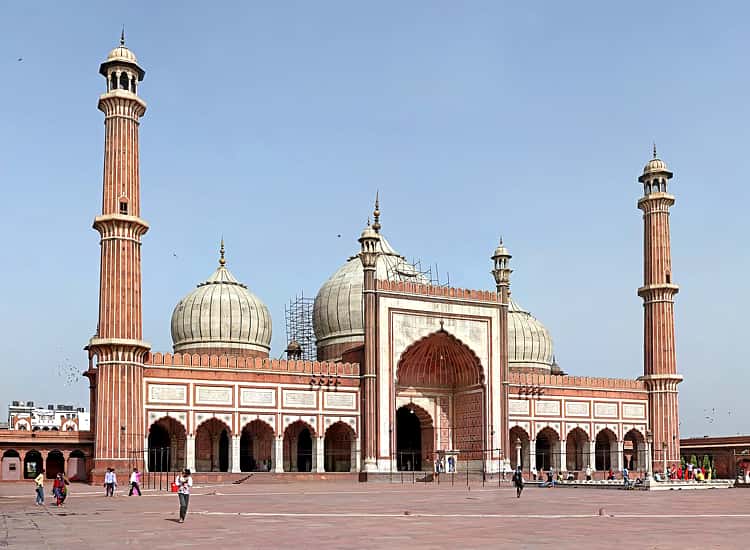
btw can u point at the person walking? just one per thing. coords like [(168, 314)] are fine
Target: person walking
[(110, 482), (534, 473), (588, 472), (518, 481), (135, 482), (184, 482), (39, 481), (59, 489)]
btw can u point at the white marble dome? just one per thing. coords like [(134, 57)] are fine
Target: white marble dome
[(529, 342), (337, 312), (221, 315), (122, 53)]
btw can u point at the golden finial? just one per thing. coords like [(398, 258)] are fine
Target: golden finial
[(122, 36), (222, 261), (654, 149), (376, 213)]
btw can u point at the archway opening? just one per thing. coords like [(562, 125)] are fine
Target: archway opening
[(11, 466), (634, 450), (298, 447), (55, 464), (447, 377), (414, 438), (77, 466), (338, 448), (32, 464), (256, 447), (605, 441), (576, 449), (547, 449), (519, 441), (167, 445), (212, 446)]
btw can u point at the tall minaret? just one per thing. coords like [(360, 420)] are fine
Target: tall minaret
[(658, 291), (118, 343), (368, 414), (501, 272)]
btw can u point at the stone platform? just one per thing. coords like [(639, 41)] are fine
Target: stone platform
[(314, 514)]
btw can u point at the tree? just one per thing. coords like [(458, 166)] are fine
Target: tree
[(693, 460), (706, 463)]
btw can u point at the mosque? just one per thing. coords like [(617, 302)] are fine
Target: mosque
[(408, 373)]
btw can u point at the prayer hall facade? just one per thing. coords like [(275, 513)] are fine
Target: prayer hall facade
[(408, 373)]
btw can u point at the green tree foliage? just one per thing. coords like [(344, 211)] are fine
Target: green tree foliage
[(693, 460)]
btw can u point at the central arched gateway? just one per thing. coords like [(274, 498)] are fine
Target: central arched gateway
[(439, 402)]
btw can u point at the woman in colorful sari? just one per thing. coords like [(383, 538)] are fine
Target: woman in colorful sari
[(59, 490)]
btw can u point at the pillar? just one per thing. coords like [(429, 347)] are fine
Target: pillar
[(190, 453), (532, 454), (501, 272), (278, 454), (619, 447), (319, 450), (563, 456), (234, 465), (353, 460), (592, 455)]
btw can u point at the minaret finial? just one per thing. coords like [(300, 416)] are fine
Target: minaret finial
[(222, 261), (654, 149), (376, 213), (122, 36)]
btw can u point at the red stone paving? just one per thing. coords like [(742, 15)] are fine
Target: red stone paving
[(307, 514)]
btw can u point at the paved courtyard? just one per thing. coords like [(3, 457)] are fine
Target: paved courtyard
[(315, 514)]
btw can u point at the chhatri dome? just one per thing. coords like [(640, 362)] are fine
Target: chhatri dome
[(222, 316), (338, 321)]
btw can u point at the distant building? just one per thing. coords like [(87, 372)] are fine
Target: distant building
[(25, 415)]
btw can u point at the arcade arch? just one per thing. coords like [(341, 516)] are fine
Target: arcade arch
[(339, 448), (212, 440), (414, 438), (256, 447), (520, 447), (605, 449), (298, 447), (32, 464), (577, 450), (11, 466), (634, 450), (167, 445), (547, 449)]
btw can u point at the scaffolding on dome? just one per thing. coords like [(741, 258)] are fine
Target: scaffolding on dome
[(299, 325)]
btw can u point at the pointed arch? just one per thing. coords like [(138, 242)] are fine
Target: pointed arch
[(439, 359), (256, 446), (298, 447), (339, 447)]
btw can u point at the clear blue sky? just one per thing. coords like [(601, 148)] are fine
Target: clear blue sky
[(274, 123)]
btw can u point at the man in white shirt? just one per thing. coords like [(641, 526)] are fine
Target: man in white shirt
[(588, 472)]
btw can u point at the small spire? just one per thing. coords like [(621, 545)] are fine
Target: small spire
[(122, 36), (376, 213), (654, 149), (222, 261), (501, 240)]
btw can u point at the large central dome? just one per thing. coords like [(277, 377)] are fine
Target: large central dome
[(337, 313), (222, 316)]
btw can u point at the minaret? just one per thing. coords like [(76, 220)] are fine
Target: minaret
[(118, 344), (501, 272), (658, 291), (368, 255)]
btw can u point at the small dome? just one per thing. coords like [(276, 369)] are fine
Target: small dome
[(655, 165), (529, 343), (222, 316), (123, 54), (337, 312)]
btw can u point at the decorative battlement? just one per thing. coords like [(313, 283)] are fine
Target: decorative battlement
[(532, 379), (439, 291), (324, 368)]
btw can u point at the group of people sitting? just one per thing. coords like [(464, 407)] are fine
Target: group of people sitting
[(688, 472)]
